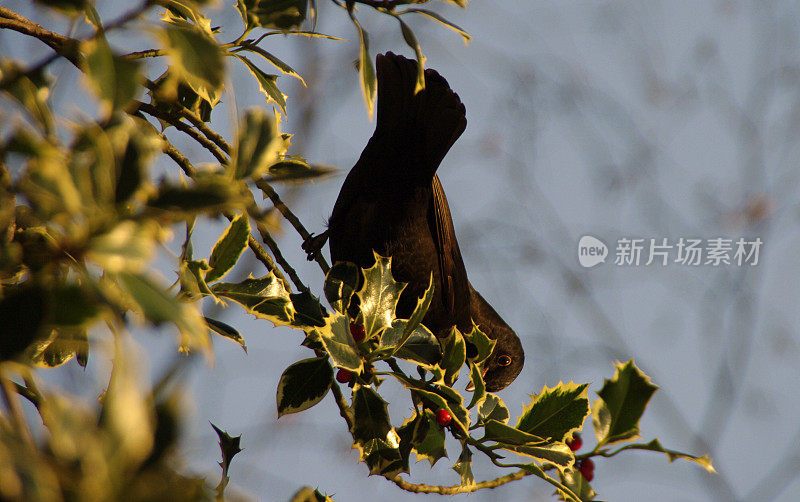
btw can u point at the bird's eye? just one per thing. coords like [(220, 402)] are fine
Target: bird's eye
[(504, 360)]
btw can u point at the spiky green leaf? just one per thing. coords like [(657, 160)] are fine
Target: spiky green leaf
[(304, 384)]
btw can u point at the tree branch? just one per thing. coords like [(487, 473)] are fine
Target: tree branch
[(452, 490)]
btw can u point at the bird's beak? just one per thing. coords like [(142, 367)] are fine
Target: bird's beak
[(470, 387)]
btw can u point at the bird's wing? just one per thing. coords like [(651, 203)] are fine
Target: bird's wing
[(455, 285)]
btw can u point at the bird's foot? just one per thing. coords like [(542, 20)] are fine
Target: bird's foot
[(314, 243)]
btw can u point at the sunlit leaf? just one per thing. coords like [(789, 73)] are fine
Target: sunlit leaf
[(64, 344), (464, 466), (622, 402), (493, 408), (266, 83), (379, 296), (196, 59), (283, 67), (703, 461), (339, 343), (433, 15), (483, 343), (411, 40), (114, 79), (454, 355), (556, 412), (366, 69), (229, 248), (478, 385), (158, 307), (127, 247), (265, 297), (280, 14), (259, 144), (340, 283), (225, 330), (31, 90), (502, 433), (304, 384)]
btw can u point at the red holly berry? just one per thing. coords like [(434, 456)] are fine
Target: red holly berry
[(358, 332), (586, 469), (576, 442), (344, 376), (443, 418)]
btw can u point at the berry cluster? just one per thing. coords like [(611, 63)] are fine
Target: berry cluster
[(585, 466), (359, 333)]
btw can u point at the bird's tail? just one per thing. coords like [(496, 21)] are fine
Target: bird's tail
[(427, 122)]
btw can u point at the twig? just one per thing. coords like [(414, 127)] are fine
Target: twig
[(203, 128), (64, 46), (452, 490), (173, 153), (11, 400), (184, 128), (276, 251), (149, 53), (291, 218)]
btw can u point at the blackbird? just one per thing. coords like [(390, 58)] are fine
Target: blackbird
[(392, 202)]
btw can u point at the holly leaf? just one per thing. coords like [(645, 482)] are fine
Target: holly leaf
[(464, 466), (507, 435), (492, 408), (400, 332), (304, 384), (340, 283), (265, 297), (229, 446), (207, 194), (114, 78), (308, 310), (555, 453), (266, 83), (158, 307), (555, 412), (283, 67), (622, 402), (373, 433), (439, 18), (259, 144), (454, 355), (420, 346), (339, 343), (441, 397), (573, 480), (229, 248), (63, 344), (379, 296), (478, 385), (483, 343), (225, 330), (703, 461), (277, 14), (425, 437), (382, 458), (127, 247), (192, 277), (195, 59), (31, 89)]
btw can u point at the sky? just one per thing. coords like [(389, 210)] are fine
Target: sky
[(617, 119)]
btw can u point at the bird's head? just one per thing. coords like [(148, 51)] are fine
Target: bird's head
[(506, 361)]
